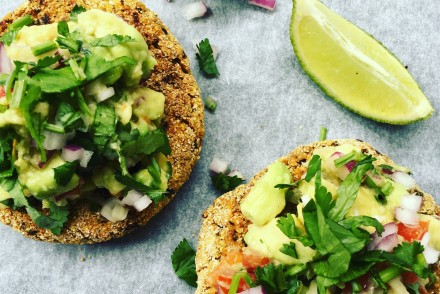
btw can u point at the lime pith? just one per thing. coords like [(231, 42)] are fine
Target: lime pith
[(354, 68)]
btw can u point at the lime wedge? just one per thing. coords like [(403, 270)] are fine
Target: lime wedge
[(353, 68)]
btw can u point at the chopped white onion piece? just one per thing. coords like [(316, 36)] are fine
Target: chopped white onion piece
[(411, 202), (54, 141), (218, 166), (194, 10), (85, 159), (105, 94), (267, 4), (72, 154), (255, 290), (132, 197), (407, 217), (107, 208), (5, 62), (404, 179), (142, 203), (305, 199), (119, 212), (236, 173), (431, 254)]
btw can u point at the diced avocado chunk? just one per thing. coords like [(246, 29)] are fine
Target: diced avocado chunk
[(144, 177), (41, 183), (433, 229), (105, 178), (268, 240), (264, 202), (148, 104)]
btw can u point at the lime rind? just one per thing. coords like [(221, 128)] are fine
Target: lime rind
[(424, 110)]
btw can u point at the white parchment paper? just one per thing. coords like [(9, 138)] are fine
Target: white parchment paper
[(267, 106)]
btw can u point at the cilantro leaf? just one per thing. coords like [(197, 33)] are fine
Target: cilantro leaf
[(155, 141), (289, 249), (314, 167), (103, 126), (111, 40), (54, 222), (353, 223), (56, 80), (75, 12), (64, 39), (154, 195), (68, 117), (206, 59), (97, 66), (226, 183), (64, 173), (183, 260), (287, 226), (348, 190), (6, 154), (34, 121), (274, 280)]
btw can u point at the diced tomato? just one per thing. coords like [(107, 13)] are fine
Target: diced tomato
[(412, 233), (236, 260), (2, 92), (252, 260)]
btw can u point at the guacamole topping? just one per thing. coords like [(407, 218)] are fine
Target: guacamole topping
[(75, 123), (354, 228)]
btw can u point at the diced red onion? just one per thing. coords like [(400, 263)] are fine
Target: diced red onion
[(218, 166), (407, 217), (431, 254), (142, 203), (5, 62), (105, 94), (411, 202), (255, 290), (389, 229), (388, 243), (236, 173), (85, 159), (72, 153), (404, 179), (132, 197), (350, 165), (54, 141), (267, 4), (194, 10)]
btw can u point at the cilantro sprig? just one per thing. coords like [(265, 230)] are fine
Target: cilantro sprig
[(183, 260), (206, 59)]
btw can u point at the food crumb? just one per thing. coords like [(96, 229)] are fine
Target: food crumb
[(83, 258)]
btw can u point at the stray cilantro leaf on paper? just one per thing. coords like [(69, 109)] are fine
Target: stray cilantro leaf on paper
[(183, 260), (226, 183), (206, 59)]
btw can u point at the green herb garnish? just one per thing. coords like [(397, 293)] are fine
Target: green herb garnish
[(183, 260), (206, 59), (226, 183)]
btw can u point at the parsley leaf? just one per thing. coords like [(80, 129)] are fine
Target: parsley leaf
[(64, 173), (226, 183), (289, 249), (111, 40), (206, 59), (183, 260), (314, 167), (6, 154), (274, 280)]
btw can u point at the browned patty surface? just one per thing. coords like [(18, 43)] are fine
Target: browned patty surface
[(224, 225), (183, 116)]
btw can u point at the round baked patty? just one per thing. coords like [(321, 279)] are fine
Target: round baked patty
[(224, 225), (183, 119)]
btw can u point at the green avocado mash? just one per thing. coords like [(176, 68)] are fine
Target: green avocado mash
[(75, 123)]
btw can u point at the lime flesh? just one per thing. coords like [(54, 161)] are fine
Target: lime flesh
[(354, 68)]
